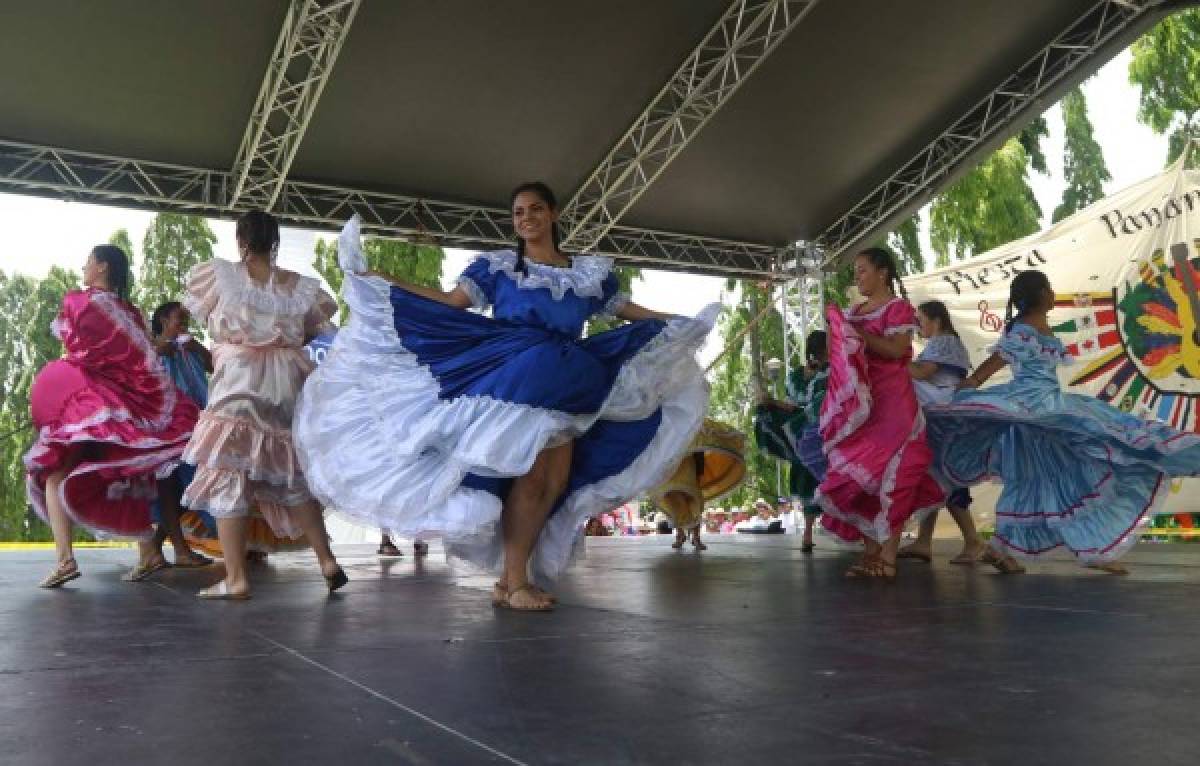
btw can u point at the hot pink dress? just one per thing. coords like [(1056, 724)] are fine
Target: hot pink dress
[(242, 446), (873, 429), (109, 412)]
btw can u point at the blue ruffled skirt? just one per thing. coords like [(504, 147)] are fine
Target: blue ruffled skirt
[(1077, 473)]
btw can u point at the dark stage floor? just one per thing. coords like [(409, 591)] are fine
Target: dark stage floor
[(750, 653)]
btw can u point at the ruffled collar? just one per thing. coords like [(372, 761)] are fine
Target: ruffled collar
[(1048, 346), (286, 292), (584, 277)]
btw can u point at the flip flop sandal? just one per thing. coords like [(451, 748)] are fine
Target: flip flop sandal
[(63, 573), (195, 561), (142, 571), (967, 560), (508, 604), (915, 555), (221, 592), (499, 593), (1004, 564)]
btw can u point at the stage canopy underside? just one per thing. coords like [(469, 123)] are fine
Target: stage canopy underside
[(695, 135)]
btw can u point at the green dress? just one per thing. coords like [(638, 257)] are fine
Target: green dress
[(789, 436)]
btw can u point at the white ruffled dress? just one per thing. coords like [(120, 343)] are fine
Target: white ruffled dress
[(242, 446)]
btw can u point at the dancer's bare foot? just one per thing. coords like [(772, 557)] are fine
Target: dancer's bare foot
[(680, 539), (698, 545)]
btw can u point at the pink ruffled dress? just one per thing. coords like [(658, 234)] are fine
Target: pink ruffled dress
[(242, 446), (109, 412), (873, 429)]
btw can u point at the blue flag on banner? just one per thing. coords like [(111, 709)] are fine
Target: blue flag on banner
[(319, 346)]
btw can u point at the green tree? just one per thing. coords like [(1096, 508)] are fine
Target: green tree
[(120, 238), (27, 307), (905, 242), (993, 204), (419, 264), (986, 208), (173, 244), (1084, 168), (1166, 67)]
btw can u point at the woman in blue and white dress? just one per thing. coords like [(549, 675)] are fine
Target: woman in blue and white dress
[(501, 434)]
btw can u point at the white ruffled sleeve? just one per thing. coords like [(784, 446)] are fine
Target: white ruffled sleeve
[(200, 291), (613, 300), (478, 281)]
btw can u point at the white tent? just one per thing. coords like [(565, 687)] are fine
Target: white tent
[(1126, 271)]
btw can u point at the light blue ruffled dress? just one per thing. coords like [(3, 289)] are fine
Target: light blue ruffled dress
[(1077, 473)]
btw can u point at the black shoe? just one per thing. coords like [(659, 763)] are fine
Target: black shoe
[(336, 580)]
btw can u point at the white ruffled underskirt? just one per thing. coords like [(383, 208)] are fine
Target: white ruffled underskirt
[(377, 444)]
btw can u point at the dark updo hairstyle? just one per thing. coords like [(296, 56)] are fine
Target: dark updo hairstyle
[(1024, 295), (259, 232), (159, 318), (882, 258), (937, 311), (545, 195), (119, 280), (816, 345)]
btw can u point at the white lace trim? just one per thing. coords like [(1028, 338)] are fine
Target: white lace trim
[(478, 299), (585, 276), (37, 493), (616, 303), (110, 306), (854, 385), (902, 328), (59, 327)]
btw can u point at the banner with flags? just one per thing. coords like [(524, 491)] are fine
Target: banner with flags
[(1126, 271)]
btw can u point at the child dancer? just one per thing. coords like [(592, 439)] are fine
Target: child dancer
[(187, 363), (937, 372), (872, 427), (1077, 473)]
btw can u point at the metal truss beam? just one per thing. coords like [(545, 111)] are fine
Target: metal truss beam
[(308, 45), (104, 179), (802, 301), (744, 36), (914, 183)]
